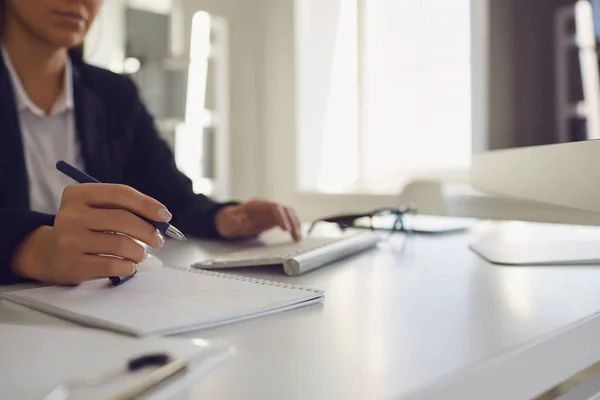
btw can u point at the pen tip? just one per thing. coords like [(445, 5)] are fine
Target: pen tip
[(175, 233)]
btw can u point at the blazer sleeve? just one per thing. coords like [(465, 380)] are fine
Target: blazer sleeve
[(17, 225), (151, 169)]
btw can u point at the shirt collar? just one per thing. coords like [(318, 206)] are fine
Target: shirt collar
[(63, 103)]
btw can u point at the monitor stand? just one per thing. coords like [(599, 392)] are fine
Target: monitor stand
[(523, 244)]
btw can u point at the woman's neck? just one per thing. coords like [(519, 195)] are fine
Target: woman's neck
[(40, 66)]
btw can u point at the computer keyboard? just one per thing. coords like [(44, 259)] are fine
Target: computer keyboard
[(296, 258)]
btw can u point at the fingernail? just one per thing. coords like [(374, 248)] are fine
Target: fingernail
[(164, 215), (145, 256), (160, 241)]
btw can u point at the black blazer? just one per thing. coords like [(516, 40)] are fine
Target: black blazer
[(119, 144)]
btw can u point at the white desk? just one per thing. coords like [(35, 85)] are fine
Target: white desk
[(428, 321)]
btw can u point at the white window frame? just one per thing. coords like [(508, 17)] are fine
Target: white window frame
[(480, 92), (479, 46), (282, 112)]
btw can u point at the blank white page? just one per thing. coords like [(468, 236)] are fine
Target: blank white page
[(165, 301)]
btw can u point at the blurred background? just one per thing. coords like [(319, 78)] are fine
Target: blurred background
[(342, 105)]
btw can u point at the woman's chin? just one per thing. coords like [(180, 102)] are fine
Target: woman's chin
[(66, 40)]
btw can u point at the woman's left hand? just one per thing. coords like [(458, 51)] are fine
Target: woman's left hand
[(254, 217)]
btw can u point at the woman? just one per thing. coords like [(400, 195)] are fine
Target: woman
[(54, 106)]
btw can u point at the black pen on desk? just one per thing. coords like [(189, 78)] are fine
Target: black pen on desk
[(82, 177)]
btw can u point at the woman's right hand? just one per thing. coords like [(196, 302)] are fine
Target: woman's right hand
[(83, 244)]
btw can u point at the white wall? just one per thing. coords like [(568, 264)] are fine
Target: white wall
[(313, 80), (279, 106)]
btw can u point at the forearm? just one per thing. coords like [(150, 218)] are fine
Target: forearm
[(198, 219)]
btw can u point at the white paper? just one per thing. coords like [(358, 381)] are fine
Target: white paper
[(165, 301)]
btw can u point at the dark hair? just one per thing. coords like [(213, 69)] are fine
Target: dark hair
[(76, 52)]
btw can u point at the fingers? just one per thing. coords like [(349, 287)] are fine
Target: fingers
[(295, 224), (95, 243), (255, 217), (94, 266), (287, 220), (82, 244), (281, 217), (96, 255), (115, 196), (121, 221)]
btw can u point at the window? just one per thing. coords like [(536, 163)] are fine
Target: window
[(384, 92)]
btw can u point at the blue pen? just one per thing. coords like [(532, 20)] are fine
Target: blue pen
[(117, 280), (82, 177)]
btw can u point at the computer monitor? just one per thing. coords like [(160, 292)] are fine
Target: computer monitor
[(564, 173)]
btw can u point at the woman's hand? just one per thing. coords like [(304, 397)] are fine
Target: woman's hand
[(88, 238), (254, 217)]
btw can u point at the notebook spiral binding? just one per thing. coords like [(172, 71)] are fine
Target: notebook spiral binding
[(246, 279)]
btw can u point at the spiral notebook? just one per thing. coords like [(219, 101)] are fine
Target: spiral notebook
[(166, 301)]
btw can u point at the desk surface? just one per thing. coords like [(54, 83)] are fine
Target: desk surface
[(412, 319)]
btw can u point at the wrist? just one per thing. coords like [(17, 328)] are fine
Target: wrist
[(219, 220), (29, 259)]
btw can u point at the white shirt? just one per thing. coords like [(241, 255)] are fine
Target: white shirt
[(46, 140)]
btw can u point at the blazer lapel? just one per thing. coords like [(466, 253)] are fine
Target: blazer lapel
[(13, 171), (90, 115)]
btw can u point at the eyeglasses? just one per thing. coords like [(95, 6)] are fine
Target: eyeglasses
[(351, 220)]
